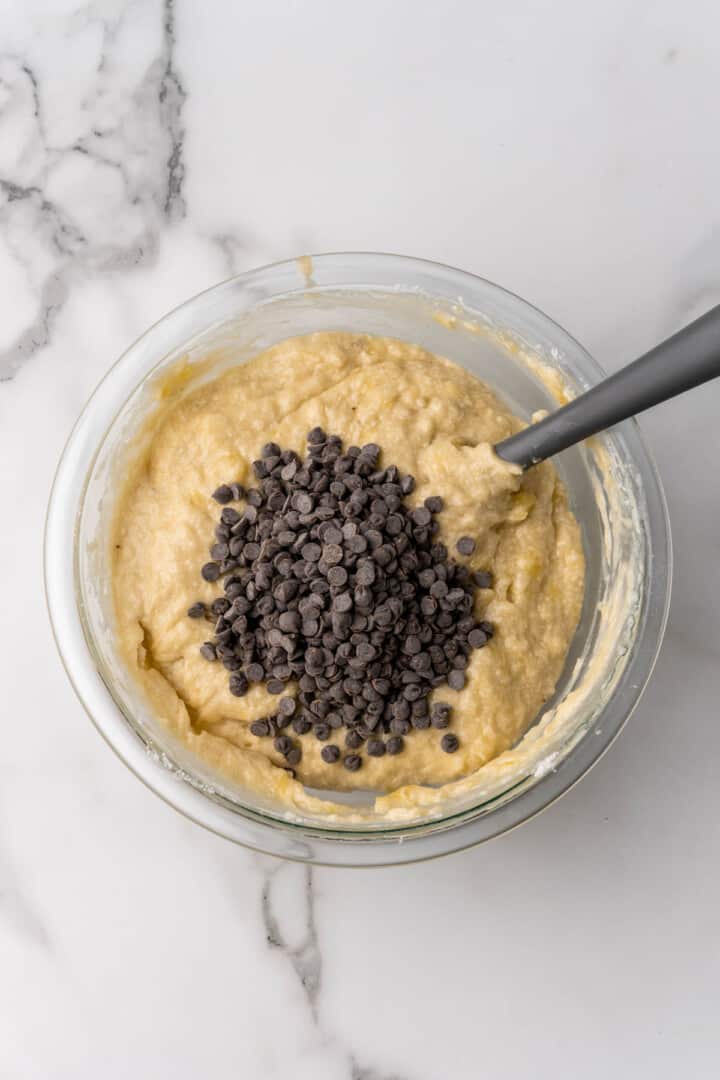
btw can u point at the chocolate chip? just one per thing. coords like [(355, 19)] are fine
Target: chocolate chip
[(456, 679), (440, 715), (477, 638), (483, 579), (260, 728), (395, 744), (238, 684), (302, 502), (376, 747), (207, 650), (223, 494), (337, 576), (210, 571), (352, 762), (283, 744), (357, 544), (449, 743), (294, 756), (465, 545), (229, 516), (330, 753), (434, 504), (197, 610)]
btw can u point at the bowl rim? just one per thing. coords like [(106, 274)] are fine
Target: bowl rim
[(394, 846)]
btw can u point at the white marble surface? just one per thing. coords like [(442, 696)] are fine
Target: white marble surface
[(564, 150)]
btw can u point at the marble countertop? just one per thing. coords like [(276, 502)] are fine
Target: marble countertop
[(149, 149)]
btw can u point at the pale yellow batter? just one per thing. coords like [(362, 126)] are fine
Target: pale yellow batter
[(432, 419)]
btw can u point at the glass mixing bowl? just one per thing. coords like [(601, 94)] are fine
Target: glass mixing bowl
[(532, 363)]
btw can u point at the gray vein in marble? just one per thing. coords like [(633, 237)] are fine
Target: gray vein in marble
[(172, 97), (304, 957), (60, 232), (359, 1072), (230, 247), (18, 911)]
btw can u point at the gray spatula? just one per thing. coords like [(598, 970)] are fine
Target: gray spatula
[(687, 359)]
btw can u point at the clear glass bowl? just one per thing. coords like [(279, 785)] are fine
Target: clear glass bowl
[(614, 490)]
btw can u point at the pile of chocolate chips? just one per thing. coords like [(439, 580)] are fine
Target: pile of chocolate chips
[(331, 580)]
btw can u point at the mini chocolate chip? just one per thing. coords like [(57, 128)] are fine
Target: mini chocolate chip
[(321, 730), (260, 728), (477, 638), (302, 502), (342, 602), (449, 743), (395, 744), (352, 762), (434, 504), (483, 579), (301, 725), (356, 544), (456, 679), (207, 650), (283, 744), (238, 684), (223, 494), (293, 755), (287, 706), (353, 740), (337, 576), (210, 571), (465, 545), (330, 753), (376, 747), (440, 715), (197, 610)]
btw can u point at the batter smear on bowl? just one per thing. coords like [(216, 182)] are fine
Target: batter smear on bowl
[(323, 575)]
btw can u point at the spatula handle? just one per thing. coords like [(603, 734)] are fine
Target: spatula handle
[(685, 360)]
